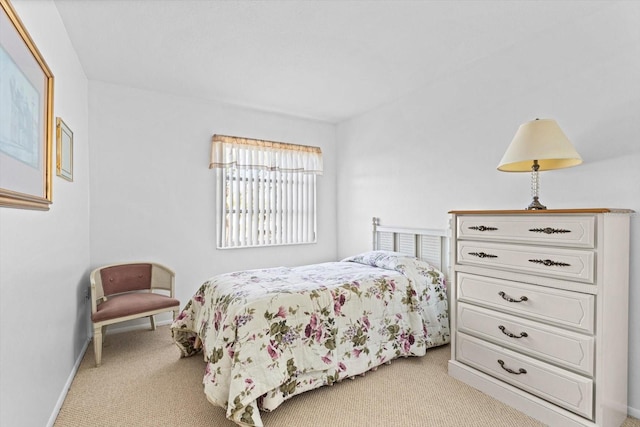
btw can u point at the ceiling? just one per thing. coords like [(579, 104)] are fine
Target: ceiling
[(325, 60)]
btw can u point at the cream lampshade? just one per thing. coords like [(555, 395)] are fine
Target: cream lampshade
[(539, 145)]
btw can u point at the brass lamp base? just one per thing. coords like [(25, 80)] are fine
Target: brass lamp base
[(536, 205)]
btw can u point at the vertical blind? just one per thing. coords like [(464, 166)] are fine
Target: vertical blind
[(266, 191)]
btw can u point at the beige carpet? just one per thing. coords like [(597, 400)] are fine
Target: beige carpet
[(143, 382)]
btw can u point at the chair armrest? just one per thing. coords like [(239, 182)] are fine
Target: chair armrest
[(97, 292), (163, 278)]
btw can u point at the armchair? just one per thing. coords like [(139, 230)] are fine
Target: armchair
[(127, 291)]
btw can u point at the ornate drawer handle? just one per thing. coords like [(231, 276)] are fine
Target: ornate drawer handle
[(482, 228), (549, 230), (510, 335), (511, 371), (483, 255), (505, 297), (550, 263)]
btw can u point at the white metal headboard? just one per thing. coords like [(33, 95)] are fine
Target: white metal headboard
[(430, 245)]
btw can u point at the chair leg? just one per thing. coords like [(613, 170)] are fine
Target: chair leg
[(97, 344), (153, 323)]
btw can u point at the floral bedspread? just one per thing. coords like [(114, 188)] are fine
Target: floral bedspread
[(267, 335)]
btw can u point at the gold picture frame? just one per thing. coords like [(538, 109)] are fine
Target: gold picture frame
[(64, 150), (26, 128)]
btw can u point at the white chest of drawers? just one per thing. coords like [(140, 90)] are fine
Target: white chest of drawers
[(539, 311)]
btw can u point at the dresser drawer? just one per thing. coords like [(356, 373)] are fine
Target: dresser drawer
[(577, 231), (572, 264), (569, 349), (555, 306), (566, 389)]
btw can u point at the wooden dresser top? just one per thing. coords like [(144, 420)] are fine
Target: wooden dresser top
[(541, 212)]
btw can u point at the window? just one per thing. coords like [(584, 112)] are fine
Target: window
[(266, 192)]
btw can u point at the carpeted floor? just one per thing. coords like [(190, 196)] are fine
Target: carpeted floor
[(143, 382)]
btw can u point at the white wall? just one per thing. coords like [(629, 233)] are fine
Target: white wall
[(44, 256), (153, 196), (437, 149)]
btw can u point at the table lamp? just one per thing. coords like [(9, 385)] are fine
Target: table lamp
[(539, 145)]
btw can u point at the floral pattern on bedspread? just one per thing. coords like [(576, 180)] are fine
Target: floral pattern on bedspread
[(267, 335)]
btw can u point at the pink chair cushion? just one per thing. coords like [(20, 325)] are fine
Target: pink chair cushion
[(134, 303), (125, 278)]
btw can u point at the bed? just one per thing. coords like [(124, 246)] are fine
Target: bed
[(267, 335)]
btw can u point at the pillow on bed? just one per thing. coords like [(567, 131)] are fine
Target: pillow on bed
[(404, 264), (382, 259)]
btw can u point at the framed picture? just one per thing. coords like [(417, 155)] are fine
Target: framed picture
[(26, 128), (64, 150)]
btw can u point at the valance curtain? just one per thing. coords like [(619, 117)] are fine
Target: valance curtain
[(245, 153), (266, 191)]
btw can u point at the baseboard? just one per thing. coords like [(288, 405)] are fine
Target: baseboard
[(67, 385), (76, 366), (633, 412)]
